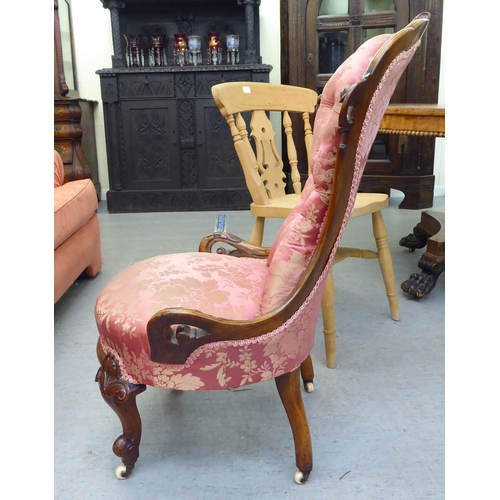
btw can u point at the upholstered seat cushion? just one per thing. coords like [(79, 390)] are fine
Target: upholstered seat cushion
[(209, 283), (196, 280), (75, 203)]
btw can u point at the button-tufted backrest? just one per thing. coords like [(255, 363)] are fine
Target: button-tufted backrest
[(295, 243)]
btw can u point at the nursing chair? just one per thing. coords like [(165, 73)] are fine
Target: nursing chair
[(237, 314), (263, 168)]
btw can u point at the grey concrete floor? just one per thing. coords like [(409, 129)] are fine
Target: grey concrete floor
[(377, 421)]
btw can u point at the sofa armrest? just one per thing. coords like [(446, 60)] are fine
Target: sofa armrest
[(74, 204), (58, 170)]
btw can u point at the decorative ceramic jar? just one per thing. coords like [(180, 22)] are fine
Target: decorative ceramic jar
[(134, 55), (194, 46), (180, 49), (233, 49), (214, 49)]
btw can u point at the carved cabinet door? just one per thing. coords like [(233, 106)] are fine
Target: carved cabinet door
[(219, 164), (151, 144)]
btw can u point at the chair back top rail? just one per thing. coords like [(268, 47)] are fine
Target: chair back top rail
[(238, 97)]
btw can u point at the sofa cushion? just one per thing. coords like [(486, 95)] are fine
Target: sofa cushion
[(80, 252), (74, 204)]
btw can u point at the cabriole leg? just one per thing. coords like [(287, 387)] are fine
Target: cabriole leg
[(289, 390), (120, 395)]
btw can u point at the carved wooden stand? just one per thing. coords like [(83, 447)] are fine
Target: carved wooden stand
[(120, 396), (429, 231), (426, 120)]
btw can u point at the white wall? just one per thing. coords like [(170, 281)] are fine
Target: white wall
[(439, 161), (269, 18), (93, 49)]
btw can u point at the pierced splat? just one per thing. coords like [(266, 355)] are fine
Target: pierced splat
[(269, 161), (256, 148)]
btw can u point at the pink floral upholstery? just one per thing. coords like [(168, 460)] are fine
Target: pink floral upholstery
[(295, 243), (241, 288), (215, 284), (210, 284), (222, 365)]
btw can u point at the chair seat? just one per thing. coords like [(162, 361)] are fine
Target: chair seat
[(208, 283), (368, 203), (278, 208), (202, 281)]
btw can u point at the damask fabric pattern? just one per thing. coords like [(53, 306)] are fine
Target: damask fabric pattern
[(241, 288), (219, 285), (295, 243), (226, 365), (209, 283)]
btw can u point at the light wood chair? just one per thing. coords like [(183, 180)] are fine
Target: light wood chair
[(263, 168)]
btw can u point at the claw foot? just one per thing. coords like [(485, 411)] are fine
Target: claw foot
[(417, 239), (420, 284)]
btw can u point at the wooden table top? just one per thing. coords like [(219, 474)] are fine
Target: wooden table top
[(414, 119)]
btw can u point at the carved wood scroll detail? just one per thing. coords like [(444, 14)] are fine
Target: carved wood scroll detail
[(242, 248), (120, 395)]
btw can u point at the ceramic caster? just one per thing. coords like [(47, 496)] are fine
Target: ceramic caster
[(123, 471), (301, 477), (308, 385)]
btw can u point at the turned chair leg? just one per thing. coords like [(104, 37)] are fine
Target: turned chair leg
[(290, 393), (120, 395), (385, 261), (258, 231), (307, 374), (328, 314)]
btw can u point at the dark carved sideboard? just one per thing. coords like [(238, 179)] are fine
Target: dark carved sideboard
[(168, 146)]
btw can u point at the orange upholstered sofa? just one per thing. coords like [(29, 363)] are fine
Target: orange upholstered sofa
[(77, 236)]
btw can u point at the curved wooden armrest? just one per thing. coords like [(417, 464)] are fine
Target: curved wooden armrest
[(173, 345), (242, 247)]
